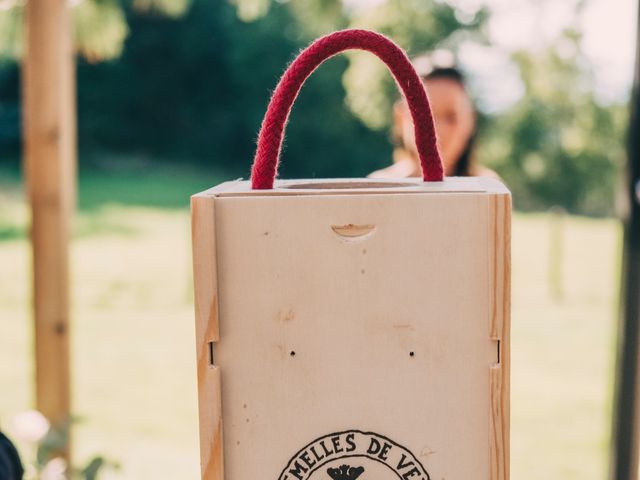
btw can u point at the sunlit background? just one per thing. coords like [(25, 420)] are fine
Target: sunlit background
[(170, 98)]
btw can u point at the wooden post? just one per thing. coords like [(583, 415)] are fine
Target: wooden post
[(556, 252), (626, 418), (49, 145)]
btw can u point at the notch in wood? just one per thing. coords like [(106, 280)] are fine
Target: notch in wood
[(352, 231), (211, 359)]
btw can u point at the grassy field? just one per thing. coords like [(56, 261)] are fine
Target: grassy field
[(133, 337)]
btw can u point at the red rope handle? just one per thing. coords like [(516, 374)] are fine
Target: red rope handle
[(265, 163)]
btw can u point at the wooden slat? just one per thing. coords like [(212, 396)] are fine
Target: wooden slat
[(206, 306), (49, 143), (209, 401), (500, 291), (387, 332)]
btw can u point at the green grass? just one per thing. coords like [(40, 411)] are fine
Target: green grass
[(133, 337)]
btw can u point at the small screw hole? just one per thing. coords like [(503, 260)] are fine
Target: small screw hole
[(412, 354), (293, 354)]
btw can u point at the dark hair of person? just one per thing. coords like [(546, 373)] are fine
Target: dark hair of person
[(465, 162)]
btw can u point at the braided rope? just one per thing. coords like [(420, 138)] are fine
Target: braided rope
[(267, 155)]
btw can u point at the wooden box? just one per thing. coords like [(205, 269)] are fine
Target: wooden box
[(353, 309), (353, 329)]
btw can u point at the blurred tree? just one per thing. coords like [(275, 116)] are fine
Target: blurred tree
[(558, 145), (197, 87), (100, 27), (100, 30), (190, 80), (419, 26), (362, 84)]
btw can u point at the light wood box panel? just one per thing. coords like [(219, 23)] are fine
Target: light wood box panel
[(358, 309)]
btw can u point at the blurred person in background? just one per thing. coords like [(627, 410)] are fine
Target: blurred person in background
[(455, 122)]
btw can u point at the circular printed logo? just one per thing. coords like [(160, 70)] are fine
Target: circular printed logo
[(354, 455)]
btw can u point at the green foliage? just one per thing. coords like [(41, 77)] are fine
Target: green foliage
[(52, 443), (11, 21), (91, 471), (190, 79), (197, 86), (47, 462), (418, 26), (558, 145), (100, 29), (317, 17), (99, 26), (170, 8)]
